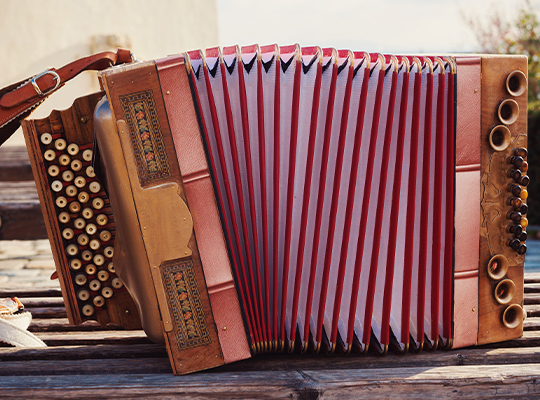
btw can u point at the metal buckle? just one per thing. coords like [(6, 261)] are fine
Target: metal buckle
[(36, 87)]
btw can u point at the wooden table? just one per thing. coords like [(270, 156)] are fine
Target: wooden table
[(89, 361)]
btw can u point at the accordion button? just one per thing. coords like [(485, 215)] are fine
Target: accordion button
[(46, 138), (90, 269), (105, 236), (82, 239), (107, 292), (67, 233), (524, 180), (79, 223), (525, 166), (94, 244), (516, 230), (80, 279), (515, 174), (102, 219), (99, 259), (76, 165), (71, 191), (522, 249), (524, 194), (90, 172), (88, 310), (91, 229), (514, 189), (63, 217), (60, 144), (53, 170), (75, 264), (73, 149), (56, 186), (74, 207), (524, 222), (523, 209), (514, 216), (68, 176), (61, 201), (515, 202), (110, 267), (94, 285), (94, 187), (80, 182), (103, 275), (83, 295), (522, 236), (98, 203), (86, 255), (49, 155), (117, 283), (99, 301), (516, 161), (72, 249), (83, 197), (87, 213), (87, 155), (514, 244), (64, 159), (521, 152)]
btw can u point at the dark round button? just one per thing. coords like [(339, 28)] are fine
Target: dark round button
[(525, 180), (521, 152), (517, 229), (514, 244), (515, 216), (514, 189), (515, 174), (523, 236), (523, 209), (525, 166), (522, 249), (515, 202), (517, 161)]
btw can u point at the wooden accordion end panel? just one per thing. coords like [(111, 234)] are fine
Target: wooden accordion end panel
[(503, 193), (78, 216)]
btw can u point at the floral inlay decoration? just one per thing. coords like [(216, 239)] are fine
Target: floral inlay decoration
[(146, 136), (185, 304)]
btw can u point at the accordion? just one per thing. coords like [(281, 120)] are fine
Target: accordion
[(303, 199)]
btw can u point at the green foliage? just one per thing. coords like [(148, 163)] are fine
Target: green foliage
[(496, 34), (521, 35)]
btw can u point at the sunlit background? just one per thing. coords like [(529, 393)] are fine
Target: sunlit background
[(37, 35)]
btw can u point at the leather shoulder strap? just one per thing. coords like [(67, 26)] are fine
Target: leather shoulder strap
[(18, 100)]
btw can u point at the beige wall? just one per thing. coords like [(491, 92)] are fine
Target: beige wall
[(37, 34)]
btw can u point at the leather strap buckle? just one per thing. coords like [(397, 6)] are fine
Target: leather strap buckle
[(56, 77)]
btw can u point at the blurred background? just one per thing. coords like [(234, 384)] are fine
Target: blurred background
[(37, 35)]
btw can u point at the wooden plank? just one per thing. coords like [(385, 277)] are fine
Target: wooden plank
[(93, 338), (49, 312), (15, 164), (532, 288), (531, 298), (483, 381), (25, 292), (21, 221), (533, 310), (41, 302), (80, 352), (63, 325), (532, 277), (532, 324)]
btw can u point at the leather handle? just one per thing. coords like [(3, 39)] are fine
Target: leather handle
[(18, 100)]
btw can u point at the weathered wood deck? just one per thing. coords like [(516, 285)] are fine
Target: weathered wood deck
[(96, 362), (89, 361)]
